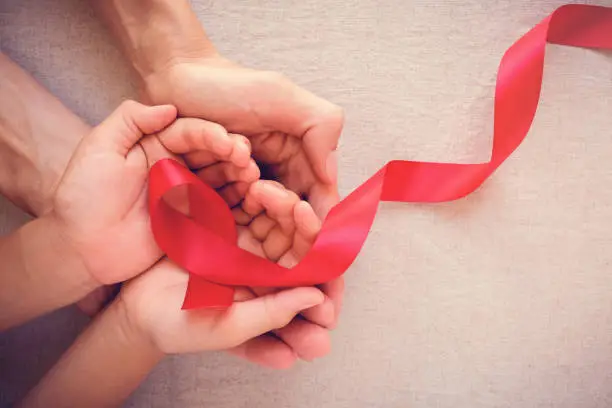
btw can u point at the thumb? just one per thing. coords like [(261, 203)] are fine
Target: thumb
[(129, 122), (320, 142), (154, 151), (252, 318), (292, 109)]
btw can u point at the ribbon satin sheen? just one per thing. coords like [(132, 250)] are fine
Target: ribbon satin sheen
[(205, 244)]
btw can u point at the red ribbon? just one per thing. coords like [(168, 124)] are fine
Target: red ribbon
[(205, 244)]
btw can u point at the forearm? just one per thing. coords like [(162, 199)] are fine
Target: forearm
[(39, 272), (101, 369), (38, 134), (154, 33)]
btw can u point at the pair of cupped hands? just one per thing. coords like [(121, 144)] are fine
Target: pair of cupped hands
[(228, 124)]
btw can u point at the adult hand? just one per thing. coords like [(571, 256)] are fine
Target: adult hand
[(293, 133)]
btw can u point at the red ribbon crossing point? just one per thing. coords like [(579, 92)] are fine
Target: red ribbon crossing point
[(205, 243)]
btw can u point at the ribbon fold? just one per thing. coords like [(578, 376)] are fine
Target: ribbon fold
[(205, 243)]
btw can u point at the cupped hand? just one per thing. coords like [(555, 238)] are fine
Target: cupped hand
[(273, 223), (153, 302), (100, 202), (293, 133)]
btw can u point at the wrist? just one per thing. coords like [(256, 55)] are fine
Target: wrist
[(41, 272), (155, 34), (132, 333), (37, 137), (175, 81), (69, 256), (21, 179)]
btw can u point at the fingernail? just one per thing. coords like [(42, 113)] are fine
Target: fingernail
[(309, 305), (273, 188), (245, 142), (320, 299)]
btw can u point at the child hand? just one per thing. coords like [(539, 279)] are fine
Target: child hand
[(285, 231), (100, 203), (286, 242), (274, 223)]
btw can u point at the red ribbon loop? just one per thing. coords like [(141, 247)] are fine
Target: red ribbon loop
[(205, 243)]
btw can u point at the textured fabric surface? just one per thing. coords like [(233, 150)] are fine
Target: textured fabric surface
[(499, 300)]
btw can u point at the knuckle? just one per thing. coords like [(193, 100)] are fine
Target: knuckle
[(277, 318), (212, 128), (334, 115), (203, 130), (129, 105), (245, 140), (216, 128), (192, 137), (127, 113)]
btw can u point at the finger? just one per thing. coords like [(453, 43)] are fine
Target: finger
[(251, 207), (309, 341), (276, 244), (308, 226), (320, 142), (323, 315), (293, 110), (261, 226), (242, 218), (252, 204), (266, 351), (249, 243), (308, 337), (246, 320), (277, 201), (154, 150), (239, 154), (327, 313), (187, 135), (234, 193), (129, 122), (274, 148), (95, 300), (220, 174), (322, 198), (334, 290)]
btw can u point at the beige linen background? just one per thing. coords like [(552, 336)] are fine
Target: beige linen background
[(503, 299)]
